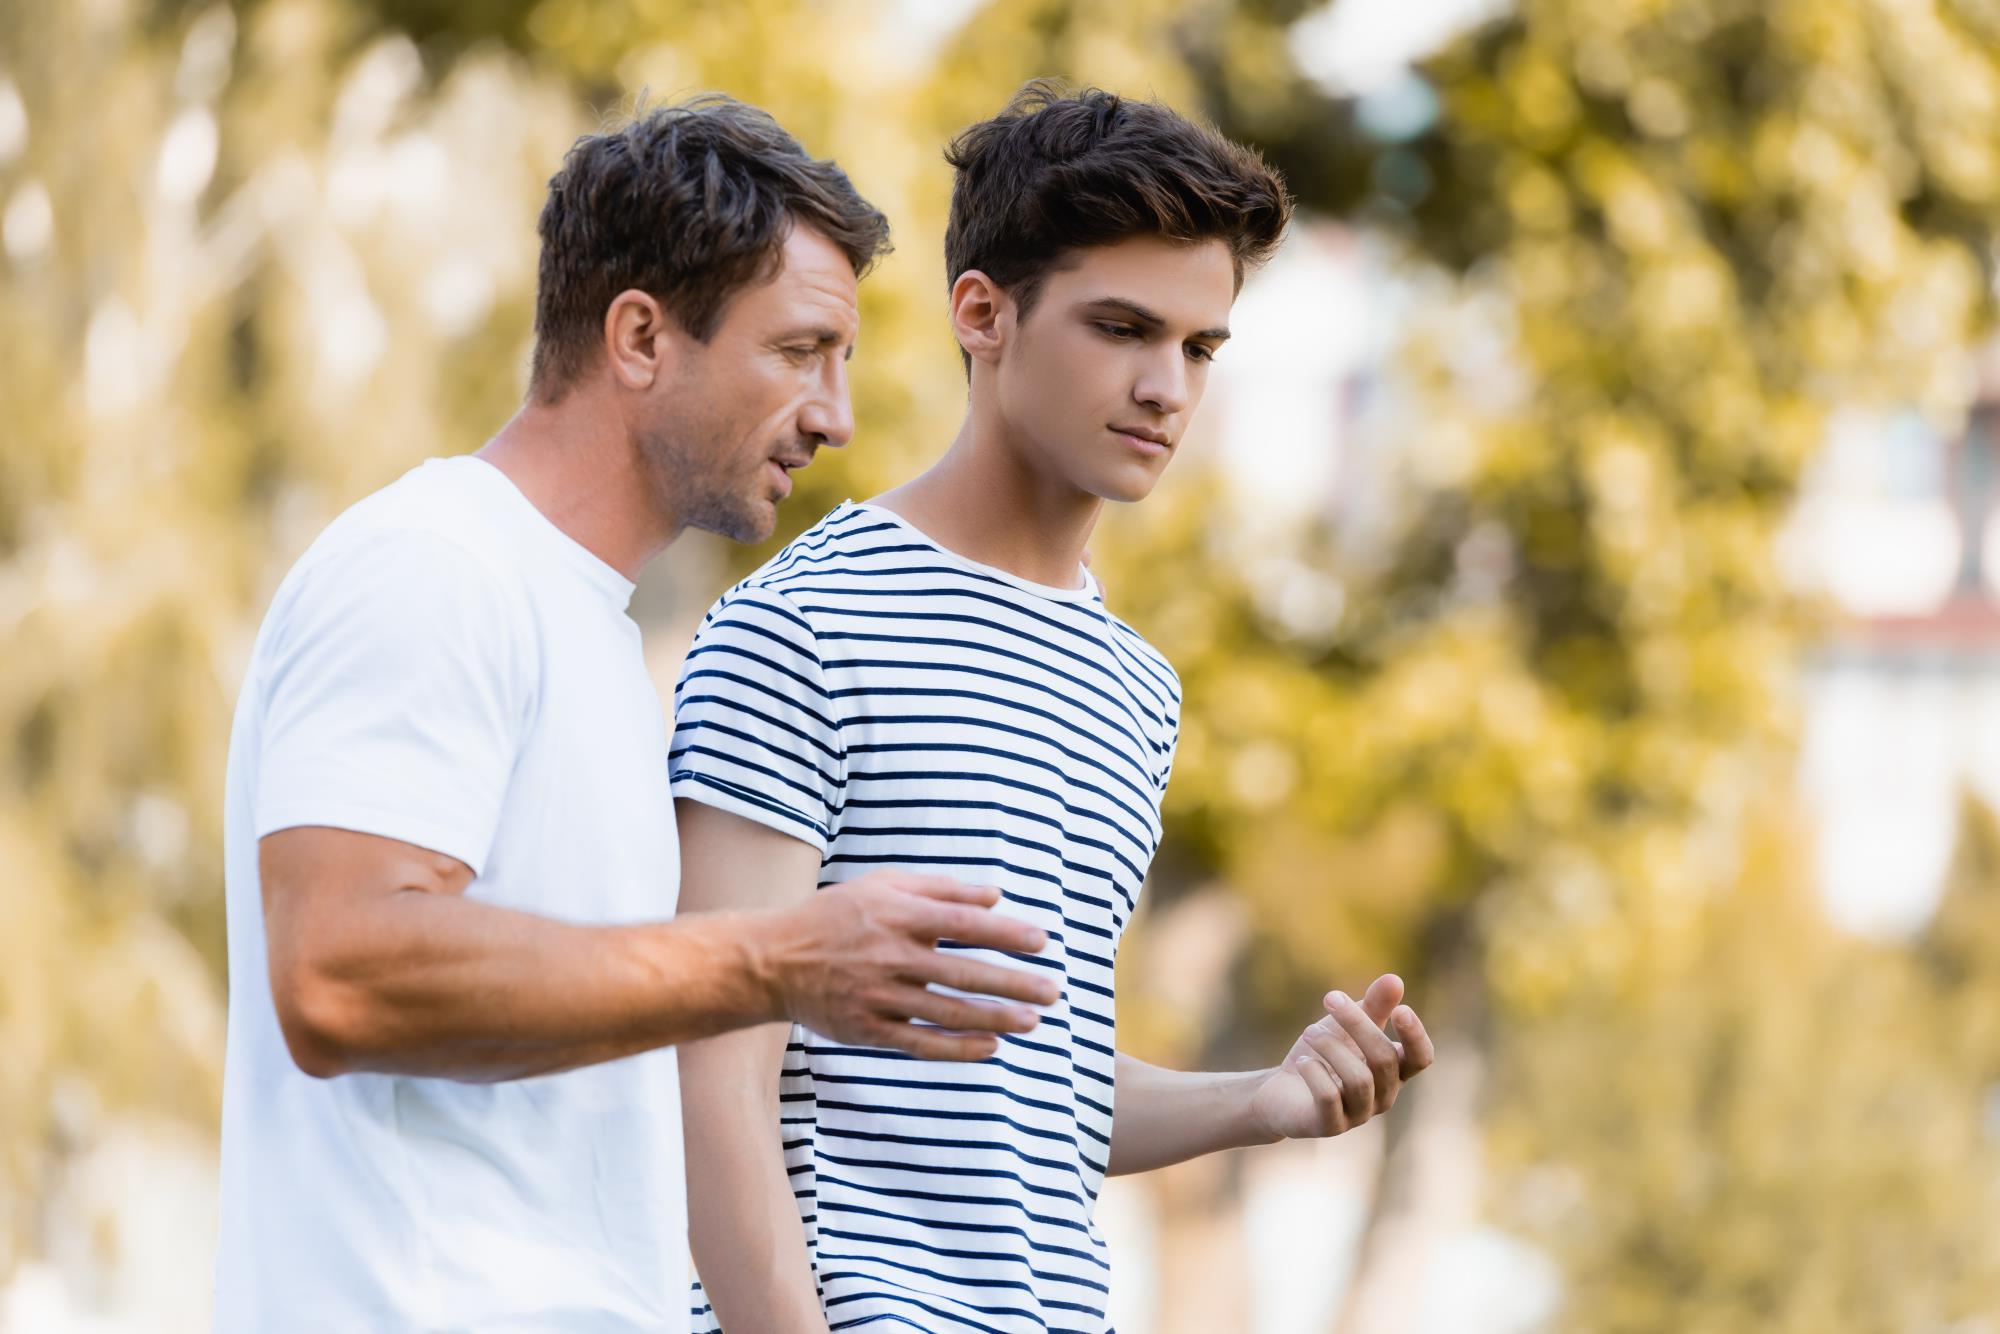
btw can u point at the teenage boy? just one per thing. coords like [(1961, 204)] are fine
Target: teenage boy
[(450, 1100), (930, 680)]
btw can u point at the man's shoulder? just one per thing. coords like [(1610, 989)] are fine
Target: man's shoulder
[(444, 502), (417, 548), (434, 523)]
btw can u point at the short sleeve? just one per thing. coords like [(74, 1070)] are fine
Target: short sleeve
[(755, 731), (395, 681)]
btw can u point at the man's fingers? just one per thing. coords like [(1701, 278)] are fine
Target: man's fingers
[(1418, 1053), (1326, 1094), (988, 979), (988, 930), (1385, 993), (1357, 1082), (960, 1014), (947, 890), (934, 1044)]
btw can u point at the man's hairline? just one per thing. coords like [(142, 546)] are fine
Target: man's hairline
[(758, 278)]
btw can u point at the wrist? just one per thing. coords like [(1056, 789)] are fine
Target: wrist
[(761, 940), (1252, 1122)]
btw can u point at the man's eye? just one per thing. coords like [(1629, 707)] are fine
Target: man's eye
[(1119, 331)]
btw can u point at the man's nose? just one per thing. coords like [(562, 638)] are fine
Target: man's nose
[(829, 415)]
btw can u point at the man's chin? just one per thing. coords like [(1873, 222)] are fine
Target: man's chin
[(749, 523)]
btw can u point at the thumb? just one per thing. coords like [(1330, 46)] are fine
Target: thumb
[(1385, 993)]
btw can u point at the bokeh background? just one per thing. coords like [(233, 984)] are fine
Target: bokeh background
[(1580, 573)]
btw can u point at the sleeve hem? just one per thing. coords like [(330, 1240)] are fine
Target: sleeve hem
[(752, 806), (435, 835)]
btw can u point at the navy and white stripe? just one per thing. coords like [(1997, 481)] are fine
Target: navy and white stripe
[(894, 704)]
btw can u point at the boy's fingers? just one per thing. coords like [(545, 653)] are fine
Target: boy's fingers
[(1418, 1053), (1384, 994), (1326, 1091), (1357, 1082)]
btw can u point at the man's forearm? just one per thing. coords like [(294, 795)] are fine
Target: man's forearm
[(1168, 1116), (743, 1224), (446, 986)]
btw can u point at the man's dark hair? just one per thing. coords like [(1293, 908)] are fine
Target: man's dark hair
[(1059, 171), (690, 203)]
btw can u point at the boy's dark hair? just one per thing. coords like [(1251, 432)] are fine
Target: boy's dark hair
[(1058, 171), (690, 203)]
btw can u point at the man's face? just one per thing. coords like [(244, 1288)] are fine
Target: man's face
[(1100, 380), (752, 404)]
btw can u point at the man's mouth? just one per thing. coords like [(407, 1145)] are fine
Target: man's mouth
[(782, 469)]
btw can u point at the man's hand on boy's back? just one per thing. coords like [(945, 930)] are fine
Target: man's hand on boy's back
[(856, 961)]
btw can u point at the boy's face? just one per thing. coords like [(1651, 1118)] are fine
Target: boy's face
[(1101, 378)]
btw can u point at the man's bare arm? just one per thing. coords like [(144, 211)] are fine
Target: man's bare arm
[(379, 962)]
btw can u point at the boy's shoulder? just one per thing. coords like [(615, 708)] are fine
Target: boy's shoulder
[(837, 546)]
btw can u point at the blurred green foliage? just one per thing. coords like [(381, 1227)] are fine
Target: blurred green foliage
[(260, 259)]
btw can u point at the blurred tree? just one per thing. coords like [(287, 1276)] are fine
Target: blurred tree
[(250, 274), (1705, 224)]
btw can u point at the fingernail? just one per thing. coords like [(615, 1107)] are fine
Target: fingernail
[(1340, 998)]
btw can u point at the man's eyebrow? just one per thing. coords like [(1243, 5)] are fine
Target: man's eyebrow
[(824, 335), (1141, 315)]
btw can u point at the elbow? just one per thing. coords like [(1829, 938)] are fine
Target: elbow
[(320, 1020)]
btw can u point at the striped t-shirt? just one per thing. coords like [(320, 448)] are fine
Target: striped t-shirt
[(895, 704)]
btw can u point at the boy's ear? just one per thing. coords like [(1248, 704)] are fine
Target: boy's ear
[(981, 315)]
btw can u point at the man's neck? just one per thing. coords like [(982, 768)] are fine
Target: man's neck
[(985, 502), (573, 462)]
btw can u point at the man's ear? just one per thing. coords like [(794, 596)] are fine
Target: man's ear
[(982, 315), (641, 341)]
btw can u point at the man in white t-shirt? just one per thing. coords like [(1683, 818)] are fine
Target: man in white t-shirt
[(451, 1098)]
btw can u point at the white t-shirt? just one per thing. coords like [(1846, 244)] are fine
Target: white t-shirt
[(444, 666)]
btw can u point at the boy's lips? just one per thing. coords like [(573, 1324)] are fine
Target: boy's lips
[(1143, 438)]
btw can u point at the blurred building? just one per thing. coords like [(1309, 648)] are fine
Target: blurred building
[(1900, 700)]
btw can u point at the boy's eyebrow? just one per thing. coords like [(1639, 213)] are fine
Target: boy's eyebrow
[(1146, 317)]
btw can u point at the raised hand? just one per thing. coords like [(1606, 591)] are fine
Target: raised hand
[(1346, 1067)]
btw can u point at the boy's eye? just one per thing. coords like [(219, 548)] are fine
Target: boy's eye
[(1201, 351)]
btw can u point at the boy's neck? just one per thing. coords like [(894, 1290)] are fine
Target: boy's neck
[(985, 501)]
